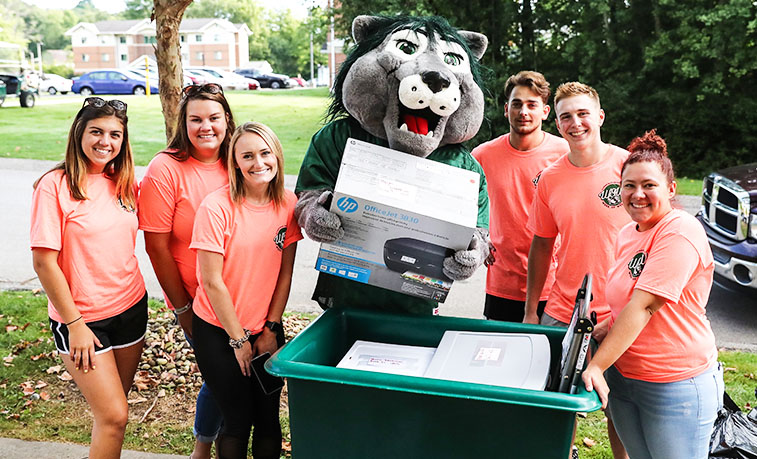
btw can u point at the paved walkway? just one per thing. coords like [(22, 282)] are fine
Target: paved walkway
[(11, 448)]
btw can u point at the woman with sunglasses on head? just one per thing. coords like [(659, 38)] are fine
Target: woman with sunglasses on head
[(246, 236), (83, 232), (659, 360), (175, 182)]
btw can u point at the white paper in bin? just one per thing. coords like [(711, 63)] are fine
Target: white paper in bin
[(387, 358), (501, 359)]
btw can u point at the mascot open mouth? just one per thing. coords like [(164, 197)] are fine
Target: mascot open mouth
[(421, 122)]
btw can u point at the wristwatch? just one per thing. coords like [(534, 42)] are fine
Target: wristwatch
[(274, 326)]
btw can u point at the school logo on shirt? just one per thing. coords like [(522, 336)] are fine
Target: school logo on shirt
[(636, 265), (610, 194), (535, 180), (280, 236)]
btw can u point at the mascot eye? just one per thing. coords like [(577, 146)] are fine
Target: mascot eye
[(407, 47), (452, 59)]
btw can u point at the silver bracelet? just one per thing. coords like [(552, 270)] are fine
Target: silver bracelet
[(186, 308), (238, 343)]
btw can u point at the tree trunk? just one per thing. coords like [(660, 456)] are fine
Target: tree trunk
[(167, 15)]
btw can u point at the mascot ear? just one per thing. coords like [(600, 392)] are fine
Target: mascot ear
[(364, 26), (476, 42)]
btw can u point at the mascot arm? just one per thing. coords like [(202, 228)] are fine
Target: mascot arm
[(316, 181), (311, 211), (463, 263)]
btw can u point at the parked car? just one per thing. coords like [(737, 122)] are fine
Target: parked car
[(227, 80), (111, 81), (16, 86), (267, 80), (3, 92), (298, 81), (53, 84), (154, 77), (729, 217), (252, 83)]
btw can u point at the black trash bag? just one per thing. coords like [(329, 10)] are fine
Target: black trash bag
[(734, 434)]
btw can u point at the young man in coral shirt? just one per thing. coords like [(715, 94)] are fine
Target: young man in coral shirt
[(578, 198), (512, 164)]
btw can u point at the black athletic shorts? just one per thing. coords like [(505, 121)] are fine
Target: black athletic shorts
[(497, 308), (115, 332)]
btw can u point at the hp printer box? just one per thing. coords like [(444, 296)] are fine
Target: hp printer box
[(402, 215)]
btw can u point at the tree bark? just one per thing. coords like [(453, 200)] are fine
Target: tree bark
[(167, 15)]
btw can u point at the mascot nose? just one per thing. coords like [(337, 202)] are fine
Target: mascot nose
[(435, 81)]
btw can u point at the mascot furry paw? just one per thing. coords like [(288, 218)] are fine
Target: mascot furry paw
[(411, 84)]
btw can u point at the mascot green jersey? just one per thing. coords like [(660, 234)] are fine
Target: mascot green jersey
[(411, 84)]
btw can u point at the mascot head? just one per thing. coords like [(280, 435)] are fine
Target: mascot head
[(413, 81)]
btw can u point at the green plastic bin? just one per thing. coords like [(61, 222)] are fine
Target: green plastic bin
[(344, 413)]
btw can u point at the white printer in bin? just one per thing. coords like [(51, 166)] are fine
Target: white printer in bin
[(518, 360)]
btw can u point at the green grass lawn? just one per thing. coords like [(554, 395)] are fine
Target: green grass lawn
[(52, 410), (41, 132)]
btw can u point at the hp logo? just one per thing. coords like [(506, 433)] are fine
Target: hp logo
[(346, 205)]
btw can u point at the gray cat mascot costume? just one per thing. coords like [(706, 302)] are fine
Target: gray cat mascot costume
[(411, 84)]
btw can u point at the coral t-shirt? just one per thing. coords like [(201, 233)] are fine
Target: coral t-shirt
[(95, 239), (582, 205), (672, 260), (511, 177), (170, 193), (251, 239)]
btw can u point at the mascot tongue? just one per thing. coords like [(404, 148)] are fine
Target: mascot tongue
[(415, 124)]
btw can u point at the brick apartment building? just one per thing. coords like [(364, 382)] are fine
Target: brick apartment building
[(207, 42)]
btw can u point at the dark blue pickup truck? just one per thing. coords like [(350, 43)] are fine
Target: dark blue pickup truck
[(729, 216)]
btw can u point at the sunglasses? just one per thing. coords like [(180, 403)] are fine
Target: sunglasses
[(99, 102), (210, 88)]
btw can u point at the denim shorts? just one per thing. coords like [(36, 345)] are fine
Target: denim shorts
[(665, 420)]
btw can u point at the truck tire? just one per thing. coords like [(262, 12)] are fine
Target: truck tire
[(27, 99)]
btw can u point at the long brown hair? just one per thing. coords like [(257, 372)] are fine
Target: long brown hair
[(75, 164), (180, 145), (236, 180)]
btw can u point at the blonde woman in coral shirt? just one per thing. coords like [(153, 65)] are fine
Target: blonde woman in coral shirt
[(656, 371), (245, 235)]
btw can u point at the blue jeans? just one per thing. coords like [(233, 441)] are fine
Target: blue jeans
[(208, 417), (665, 420)]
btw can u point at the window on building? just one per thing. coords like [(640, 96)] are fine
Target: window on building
[(216, 38), (219, 55), (105, 57), (122, 40), (102, 40), (83, 40), (149, 40), (198, 38), (200, 56), (85, 57), (124, 57), (182, 38)]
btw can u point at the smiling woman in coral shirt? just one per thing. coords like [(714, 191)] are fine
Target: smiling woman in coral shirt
[(662, 386)]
